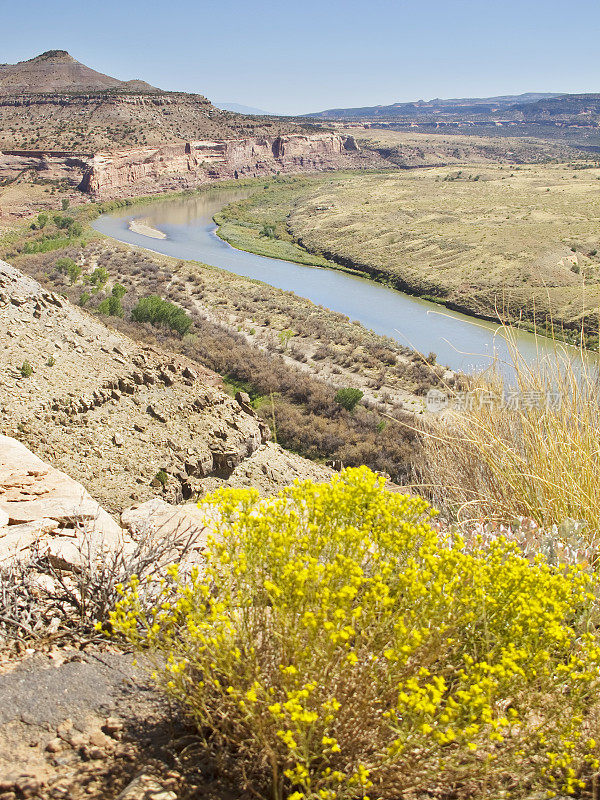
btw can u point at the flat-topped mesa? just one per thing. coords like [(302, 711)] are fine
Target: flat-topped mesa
[(194, 163)]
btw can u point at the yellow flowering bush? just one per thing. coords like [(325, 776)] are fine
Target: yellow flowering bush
[(338, 647)]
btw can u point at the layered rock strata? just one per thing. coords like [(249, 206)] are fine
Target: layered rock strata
[(185, 165)]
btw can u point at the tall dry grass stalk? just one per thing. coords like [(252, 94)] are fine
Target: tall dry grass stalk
[(523, 446)]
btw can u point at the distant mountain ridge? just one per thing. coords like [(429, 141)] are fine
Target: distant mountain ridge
[(56, 71), (464, 107)]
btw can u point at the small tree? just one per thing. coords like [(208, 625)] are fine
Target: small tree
[(111, 307), (63, 222), (349, 398), (42, 220), (64, 203), (69, 267), (99, 277), (119, 291)]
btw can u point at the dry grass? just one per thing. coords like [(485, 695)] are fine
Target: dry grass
[(536, 460), (475, 236), (416, 148)]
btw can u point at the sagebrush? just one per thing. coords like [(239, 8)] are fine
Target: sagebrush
[(337, 646)]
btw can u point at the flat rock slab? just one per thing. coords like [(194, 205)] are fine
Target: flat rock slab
[(39, 693), (181, 523), (41, 506)]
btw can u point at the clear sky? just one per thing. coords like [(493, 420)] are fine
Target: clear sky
[(315, 54)]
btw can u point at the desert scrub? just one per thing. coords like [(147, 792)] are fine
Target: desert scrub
[(336, 646), (535, 458)]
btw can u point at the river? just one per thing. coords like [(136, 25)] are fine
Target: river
[(461, 342)]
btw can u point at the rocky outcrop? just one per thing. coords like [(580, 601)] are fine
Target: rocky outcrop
[(182, 166), (128, 421), (43, 509), (51, 165), (196, 162)]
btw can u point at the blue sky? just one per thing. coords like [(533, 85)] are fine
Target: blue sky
[(315, 54)]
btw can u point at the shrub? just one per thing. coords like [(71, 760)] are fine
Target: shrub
[(334, 642), (119, 291), (111, 307), (349, 398), (26, 369), (162, 477), (268, 231), (45, 245), (67, 266), (99, 277), (63, 264), (159, 312), (63, 222)]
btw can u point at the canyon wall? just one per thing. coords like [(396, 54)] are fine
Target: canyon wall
[(193, 163), (148, 169)]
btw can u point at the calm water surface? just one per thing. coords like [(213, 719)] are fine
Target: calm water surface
[(461, 342)]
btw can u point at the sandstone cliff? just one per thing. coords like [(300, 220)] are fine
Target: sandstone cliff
[(187, 165), (196, 162)]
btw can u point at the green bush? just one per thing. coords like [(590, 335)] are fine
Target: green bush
[(46, 245), (26, 369), (159, 312), (99, 277), (111, 307), (69, 267), (162, 477), (334, 641), (268, 231), (62, 222), (119, 291), (349, 398)]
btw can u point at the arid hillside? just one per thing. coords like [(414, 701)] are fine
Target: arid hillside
[(53, 102), (57, 71), (128, 421)]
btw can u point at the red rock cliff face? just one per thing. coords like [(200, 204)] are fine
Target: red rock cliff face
[(149, 169), (191, 164)]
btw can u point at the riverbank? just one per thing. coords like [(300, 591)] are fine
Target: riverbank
[(496, 243), (290, 355)]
